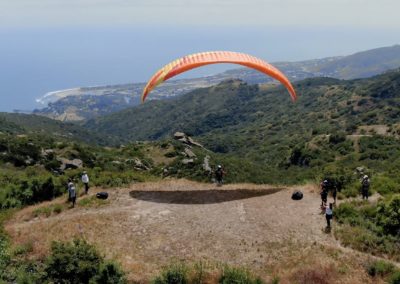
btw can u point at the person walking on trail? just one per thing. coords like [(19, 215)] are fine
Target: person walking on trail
[(324, 193), (365, 182), (85, 180), (71, 192), (329, 215), (334, 193), (219, 175)]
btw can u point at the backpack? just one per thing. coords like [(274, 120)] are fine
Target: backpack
[(102, 195), (297, 195), (365, 182)]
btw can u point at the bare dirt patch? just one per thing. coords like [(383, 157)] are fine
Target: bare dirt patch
[(148, 225)]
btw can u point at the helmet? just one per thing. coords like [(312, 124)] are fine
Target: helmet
[(365, 177), (325, 181), (219, 167)]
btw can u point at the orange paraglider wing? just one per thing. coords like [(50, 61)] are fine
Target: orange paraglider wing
[(205, 58)]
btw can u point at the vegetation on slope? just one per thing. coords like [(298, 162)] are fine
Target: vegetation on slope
[(20, 124), (254, 131)]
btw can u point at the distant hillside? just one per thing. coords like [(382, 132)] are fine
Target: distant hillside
[(262, 123), (85, 103), (14, 123), (362, 64)]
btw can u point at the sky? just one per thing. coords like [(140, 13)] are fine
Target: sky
[(48, 45)]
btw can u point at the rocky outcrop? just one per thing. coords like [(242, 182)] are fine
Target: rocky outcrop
[(70, 164), (188, 161), (182, 137), (137, 164), (189, 153)]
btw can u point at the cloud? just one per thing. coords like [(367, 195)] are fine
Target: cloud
[(324, 13)]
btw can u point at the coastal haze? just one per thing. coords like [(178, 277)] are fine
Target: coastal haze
[(49, 46)]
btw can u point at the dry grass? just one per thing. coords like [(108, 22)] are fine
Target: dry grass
[(270, 234)]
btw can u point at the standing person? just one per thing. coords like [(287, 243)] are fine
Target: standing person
[(324, 193), (365, 182), (334, 193), (85, 180), (329, 215), (71, 192), (219, 175)]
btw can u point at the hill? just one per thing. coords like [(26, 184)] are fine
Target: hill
[(14, 123), (362, 64), (324, 105), (338, 130), (333, 121), (85, 103)]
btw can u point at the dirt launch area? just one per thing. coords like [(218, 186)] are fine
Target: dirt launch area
[(150, 225)]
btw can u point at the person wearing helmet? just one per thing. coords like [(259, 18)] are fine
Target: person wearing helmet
[(365, 182), (219, 175)]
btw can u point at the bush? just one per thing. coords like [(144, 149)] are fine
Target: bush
[(237, 275), (380, 268), (174, 274), (385, 185), (337, 138), (389, 215), (109, 273), (346, 213), (79, 262), (4, 255), (395, 278)]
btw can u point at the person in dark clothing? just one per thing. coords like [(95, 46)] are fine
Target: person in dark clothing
[(324, 193), (334, 193), (219, 175), (71, 192), (365, 182)]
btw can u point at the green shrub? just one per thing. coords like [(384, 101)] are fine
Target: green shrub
[(4, 255), (395, 278), (346, 213), (57, 208), (79, 262), (175, 274), (109, 273), (23, 248), (75, 262), (385, 185), (380, 268), (389, 215), (237, 275), (352, 189)]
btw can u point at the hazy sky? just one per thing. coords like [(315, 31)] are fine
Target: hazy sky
[(46, 45)]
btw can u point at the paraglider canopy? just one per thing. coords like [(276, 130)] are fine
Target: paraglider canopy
[(213, 57)]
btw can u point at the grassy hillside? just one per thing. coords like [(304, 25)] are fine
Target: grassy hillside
[(338, 130), (363, 64), (14, 123)]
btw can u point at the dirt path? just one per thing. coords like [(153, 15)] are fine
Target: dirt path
[(148, 225)]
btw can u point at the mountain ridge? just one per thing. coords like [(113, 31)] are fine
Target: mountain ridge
[(86, 103)]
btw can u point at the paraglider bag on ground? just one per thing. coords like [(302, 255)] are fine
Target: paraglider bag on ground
[(297, 195), (102, 195)]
